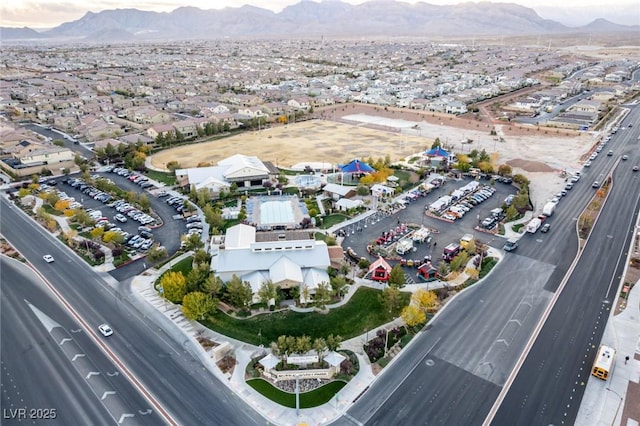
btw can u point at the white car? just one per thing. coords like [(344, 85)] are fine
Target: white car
[(105, 330), (48, 258)]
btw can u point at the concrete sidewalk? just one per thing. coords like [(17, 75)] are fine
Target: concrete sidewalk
[(243, 352)]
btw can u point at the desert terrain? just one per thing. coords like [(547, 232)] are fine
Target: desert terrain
[(343, 133)]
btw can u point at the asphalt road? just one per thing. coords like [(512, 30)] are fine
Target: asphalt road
[(453, 372), (550, 385), (159, 355), (57, 135), (51, 368)]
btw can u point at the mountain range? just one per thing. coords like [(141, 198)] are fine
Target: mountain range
[(377, 18)]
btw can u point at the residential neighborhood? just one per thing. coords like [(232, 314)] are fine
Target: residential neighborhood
[(155, 95)]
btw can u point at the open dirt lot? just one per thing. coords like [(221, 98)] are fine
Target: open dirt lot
[(313, 141), (360, 131)]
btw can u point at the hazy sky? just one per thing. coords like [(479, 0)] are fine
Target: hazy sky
[(50, 13)]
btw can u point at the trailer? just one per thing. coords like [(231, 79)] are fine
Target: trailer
[(533, 225), (404, 246), (549, 208)]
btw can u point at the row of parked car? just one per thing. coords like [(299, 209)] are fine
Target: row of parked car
[(127, 210), (470, 201), (142, 241), (134, 177)]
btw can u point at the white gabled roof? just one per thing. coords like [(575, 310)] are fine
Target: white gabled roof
[(242, 165), (239, 236), (255, 280), (315, 276), (334, 188), (284, 269)]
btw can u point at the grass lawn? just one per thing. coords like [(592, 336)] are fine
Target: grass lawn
[(168, 179), (47, 208), (363, 312), (307, 400), (183, 266), (333, 219)]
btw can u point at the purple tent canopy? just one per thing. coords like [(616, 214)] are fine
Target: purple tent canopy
[(356, 166)]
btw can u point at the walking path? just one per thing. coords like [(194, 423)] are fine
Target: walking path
[(243, 352)]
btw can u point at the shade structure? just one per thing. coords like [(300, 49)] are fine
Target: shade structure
[(437, 152), (356, 166)]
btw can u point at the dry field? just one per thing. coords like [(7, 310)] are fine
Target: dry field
[(309, 141), (360, 131)]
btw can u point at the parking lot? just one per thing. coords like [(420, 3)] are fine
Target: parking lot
[(163, 225), (361, 234)]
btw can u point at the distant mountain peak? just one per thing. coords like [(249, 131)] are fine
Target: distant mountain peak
[(310, 18)]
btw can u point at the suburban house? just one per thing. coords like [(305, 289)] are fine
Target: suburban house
[(159, 129), (286, 258), (35, 154)]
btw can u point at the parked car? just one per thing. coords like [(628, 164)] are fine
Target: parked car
[(120, 218)]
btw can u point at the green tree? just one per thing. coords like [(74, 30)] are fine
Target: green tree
[(396, 277), (202, 257), (390, 298), (333, 342), (281, 344), (82, 217), (322, 295), (460, 261), (51, 197), (338, 284), (319, 345), (144, 203), (196, 276), (290, 344), (362, 190), (193, 242), (174, 286), (213, 285), (157, 253), (213, 217), (196, 305), (268, 293), (239, 293), (303, 344), (443, 269)]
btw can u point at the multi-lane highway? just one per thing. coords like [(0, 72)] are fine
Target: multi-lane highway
[(550, 385), (52, 370), (453, 372), (165, 362)]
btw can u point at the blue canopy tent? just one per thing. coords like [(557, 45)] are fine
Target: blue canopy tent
[(437, 152), (354, 171), (356, 166)]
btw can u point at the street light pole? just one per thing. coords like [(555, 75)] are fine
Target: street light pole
[(613, 421)]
